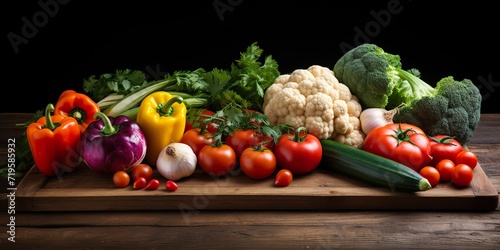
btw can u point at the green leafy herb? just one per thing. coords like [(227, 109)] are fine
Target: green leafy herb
[(243, 83), (235, 117), (120, 82), (251, 77)]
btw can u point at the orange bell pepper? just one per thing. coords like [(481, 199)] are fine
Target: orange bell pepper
[(53, 142), (77, 105)]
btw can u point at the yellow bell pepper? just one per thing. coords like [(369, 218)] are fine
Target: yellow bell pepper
[(162, 118)]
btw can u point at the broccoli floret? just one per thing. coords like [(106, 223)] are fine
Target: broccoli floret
[(379, 81), (377, 77), (453, 109), (368, 72)]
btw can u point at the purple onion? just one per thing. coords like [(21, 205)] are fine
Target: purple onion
[(110, 144)]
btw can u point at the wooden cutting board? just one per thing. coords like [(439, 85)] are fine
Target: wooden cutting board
[(322, 189)]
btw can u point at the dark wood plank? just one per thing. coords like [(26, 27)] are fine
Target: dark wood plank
[(258, 230)]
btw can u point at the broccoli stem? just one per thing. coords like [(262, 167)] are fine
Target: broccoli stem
[(418, 86)]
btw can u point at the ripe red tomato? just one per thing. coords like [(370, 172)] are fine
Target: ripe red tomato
[(142, 170), (462, 175), (445, 168), (121, 178), (431, 174), (283, 178), (467, 157), (195, 140), (217, 160), (400, 142), (244, 138), (257, 163), (196, 120), (444, 147), (299, 152)]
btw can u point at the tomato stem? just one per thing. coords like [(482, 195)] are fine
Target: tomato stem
[(402, 136), (297, 134), (444, 140), (260, 147)]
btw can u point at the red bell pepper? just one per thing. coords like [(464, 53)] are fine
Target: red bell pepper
[(77, 105), (53, 142)]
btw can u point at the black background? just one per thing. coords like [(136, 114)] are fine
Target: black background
[(74, 39)]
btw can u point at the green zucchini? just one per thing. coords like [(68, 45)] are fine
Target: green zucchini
[(371, 168)]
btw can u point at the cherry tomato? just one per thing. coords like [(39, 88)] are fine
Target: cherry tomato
[(196, 120), (444, 147), (467, 157), (217, 160), (140, 183), (257, 162), (445, 168), (170, 185), (121, 178), (283, 178), (153, 184), (431, 174), (462, 175), (195, 140), (244, 138), (400, 142), (142, 170), (300, 153)]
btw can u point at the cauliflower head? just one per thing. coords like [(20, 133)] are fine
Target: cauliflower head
[(313, 98)]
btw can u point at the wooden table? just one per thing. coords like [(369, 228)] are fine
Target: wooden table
[(262, 229)]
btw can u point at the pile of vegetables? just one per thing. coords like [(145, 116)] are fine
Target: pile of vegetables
[(121, 93), (378, 79), (366, 117)]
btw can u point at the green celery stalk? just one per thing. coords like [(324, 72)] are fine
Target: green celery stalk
[(133, 99), (109, 100), (131, 113)]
